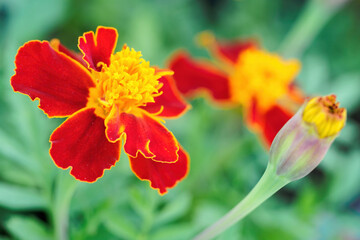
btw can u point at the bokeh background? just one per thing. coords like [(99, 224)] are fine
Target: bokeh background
[(39, 201)]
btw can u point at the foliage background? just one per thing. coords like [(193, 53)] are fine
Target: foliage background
[(227, 159)]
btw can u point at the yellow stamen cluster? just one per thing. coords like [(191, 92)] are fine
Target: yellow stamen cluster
[(261, 76), (324, 113), (129, 82)]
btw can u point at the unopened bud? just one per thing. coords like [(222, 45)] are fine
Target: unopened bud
[(304, 140)]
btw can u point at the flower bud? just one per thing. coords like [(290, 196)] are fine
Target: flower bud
[(304, 140)]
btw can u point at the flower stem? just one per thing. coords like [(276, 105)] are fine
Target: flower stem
[(65, 188), (312, 19), (269, 184)]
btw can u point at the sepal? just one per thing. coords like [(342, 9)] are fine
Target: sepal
[(298, 147)]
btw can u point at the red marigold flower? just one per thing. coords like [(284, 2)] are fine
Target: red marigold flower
[(259, 81), (108, 98)]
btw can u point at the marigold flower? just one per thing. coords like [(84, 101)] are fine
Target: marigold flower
[(259, 81), (108, 98), (303, 141)]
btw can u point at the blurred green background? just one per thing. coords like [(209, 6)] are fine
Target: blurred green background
[(40, 201)]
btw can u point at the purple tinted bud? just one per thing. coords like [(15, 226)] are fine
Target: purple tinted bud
[(298, 147)]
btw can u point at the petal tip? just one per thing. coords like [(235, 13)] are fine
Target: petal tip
[(161, 176)]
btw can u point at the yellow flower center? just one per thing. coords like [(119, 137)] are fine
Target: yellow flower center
[(324, 113), (261, 76), (129, 82)]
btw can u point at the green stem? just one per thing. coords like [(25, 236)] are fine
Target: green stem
[(311, 21), (65, 188), (269, 184)]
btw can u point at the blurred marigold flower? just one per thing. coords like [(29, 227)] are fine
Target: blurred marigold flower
[(304, 140), (108, 98), (259, 81)]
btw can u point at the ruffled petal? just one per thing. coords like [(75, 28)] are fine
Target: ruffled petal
[(161, 175), (229, 51), (143, 134), (192, 77), (55, 43), (98, 48), (80, 143), (113, 124), (61, 83), (169, 103)]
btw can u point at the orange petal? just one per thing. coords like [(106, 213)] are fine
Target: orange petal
[(161, 175), (80, 143), (98, 48), (61, 83), (192, 77), (143, 134), (169, 103)]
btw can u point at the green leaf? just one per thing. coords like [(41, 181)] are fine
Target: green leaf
[(180, 231), (28, 23), (278, 220), (108, 189), (120, 226), (174, 210), (25, 228), (11, 150), (12, 172), (346, 178), (208, 212), (20, 198), (143, 202), (4, 238)]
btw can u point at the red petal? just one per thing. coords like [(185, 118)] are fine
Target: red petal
[(80, 143), (98, 48), (193, 76), (229, 50), (253, 116), (274, 119), (268, 123), (143, 134), (61, 83), (55, 43), (161, 175), (169, 103)]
